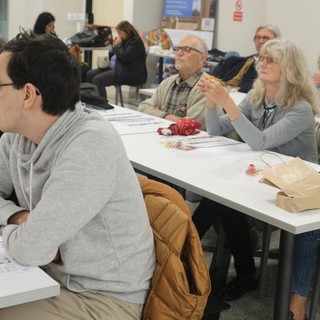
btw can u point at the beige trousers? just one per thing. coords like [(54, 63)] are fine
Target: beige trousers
[(74, 306)]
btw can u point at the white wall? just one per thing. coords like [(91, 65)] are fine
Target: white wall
[(107, 12), (238, 35), (299, 21), (145, 15)]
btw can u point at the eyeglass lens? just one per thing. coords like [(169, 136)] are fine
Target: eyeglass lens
[(185, 49), (268, 60), (259, 38)]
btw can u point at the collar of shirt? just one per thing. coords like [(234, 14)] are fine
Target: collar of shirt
[(191, 81), (269, 105)]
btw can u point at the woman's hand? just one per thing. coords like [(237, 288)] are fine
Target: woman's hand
[(117, 41), (172, 117), (213, 90), (217, 94)]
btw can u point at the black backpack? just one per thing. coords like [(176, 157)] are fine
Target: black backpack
[(90, 96)]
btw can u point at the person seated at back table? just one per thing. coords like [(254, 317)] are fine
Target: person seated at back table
[(240, 72), (177, 96), (276, 115), (130, 64), (316, 76), (45, 24), (80, 213)]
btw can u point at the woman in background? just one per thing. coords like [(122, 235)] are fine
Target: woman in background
[(44, 24), (316, 76), (130, 64), (276, 115)]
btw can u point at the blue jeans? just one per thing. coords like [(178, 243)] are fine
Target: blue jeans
[(304, 261)]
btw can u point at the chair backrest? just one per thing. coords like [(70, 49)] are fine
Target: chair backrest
[(181, 283)]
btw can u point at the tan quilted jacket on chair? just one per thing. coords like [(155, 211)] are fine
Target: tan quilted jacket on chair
[(181, 282)]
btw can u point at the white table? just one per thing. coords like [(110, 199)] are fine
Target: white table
[(128, 122), (218, 176), (21, 284)]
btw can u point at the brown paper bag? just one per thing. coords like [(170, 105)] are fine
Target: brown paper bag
[(300, 185)]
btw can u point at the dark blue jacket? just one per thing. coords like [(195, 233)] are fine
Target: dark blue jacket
[(229, 68)]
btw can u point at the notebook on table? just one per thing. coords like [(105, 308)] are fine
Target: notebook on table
[(21, 284)]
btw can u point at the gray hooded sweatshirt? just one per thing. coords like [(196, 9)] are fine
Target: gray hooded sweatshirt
[(85, 201)]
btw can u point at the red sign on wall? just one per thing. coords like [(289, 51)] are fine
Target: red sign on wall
[(237, 15)]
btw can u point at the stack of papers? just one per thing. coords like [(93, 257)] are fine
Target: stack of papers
[(209, 141), (21, 284), (201, 141)]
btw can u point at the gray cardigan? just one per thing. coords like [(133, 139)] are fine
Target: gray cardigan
[(288, 131)]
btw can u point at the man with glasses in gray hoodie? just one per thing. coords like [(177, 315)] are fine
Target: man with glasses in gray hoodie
[(79, 214)]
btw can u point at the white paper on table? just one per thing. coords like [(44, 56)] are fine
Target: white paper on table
[(7, 264), (208, 141)]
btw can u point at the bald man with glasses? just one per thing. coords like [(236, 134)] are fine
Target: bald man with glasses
[(177, 96)]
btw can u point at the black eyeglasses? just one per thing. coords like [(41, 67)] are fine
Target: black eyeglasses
[(186, 49), (8, 84), (17, 86)]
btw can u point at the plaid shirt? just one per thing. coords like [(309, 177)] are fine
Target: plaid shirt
[(179, 93)]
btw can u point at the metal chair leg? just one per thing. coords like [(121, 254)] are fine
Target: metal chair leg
[(220, 262), (119, 95), (266, 238)]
